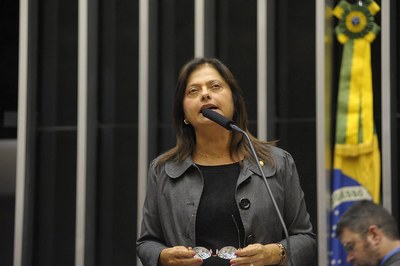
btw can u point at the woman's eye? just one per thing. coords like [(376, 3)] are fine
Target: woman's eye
[(216, 86), (192, 91)]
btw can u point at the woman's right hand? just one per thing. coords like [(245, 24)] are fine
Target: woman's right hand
[(178, 256)]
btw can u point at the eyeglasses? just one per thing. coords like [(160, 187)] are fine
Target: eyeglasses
[(227, 252), (349, 246)]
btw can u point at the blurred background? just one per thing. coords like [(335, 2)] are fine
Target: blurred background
[(86, 102)]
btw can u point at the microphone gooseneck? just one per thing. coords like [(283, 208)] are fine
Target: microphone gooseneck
[(230, 125)]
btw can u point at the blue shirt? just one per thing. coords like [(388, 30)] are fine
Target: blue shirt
[(391, 253)]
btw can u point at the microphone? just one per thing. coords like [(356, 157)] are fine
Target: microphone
[(217, 118), (230, 125)]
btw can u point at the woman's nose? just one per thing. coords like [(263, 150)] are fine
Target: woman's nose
[(205, 94)]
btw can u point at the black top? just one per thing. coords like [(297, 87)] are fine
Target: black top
[(215, 227)]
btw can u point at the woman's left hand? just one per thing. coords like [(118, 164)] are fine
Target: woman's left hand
[(257, 255)]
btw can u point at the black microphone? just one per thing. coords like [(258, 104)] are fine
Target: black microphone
[(230, 125), (217, 118)]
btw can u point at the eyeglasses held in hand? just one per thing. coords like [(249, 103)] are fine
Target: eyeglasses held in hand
[(227, 252)]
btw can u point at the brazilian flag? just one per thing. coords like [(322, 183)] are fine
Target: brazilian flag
[(356, 165)]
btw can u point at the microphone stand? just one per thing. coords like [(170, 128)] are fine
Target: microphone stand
[(230, 125), (238, 129)]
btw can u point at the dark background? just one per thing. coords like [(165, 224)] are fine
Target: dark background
[(232, 38)]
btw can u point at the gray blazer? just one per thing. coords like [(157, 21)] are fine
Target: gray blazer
[(173, 196)]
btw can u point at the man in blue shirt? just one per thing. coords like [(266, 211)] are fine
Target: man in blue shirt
[(369, 235)]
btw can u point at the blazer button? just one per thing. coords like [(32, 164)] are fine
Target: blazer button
[(244, 203), (250, 239)]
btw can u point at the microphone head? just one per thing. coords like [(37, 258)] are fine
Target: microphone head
[(217, 118)]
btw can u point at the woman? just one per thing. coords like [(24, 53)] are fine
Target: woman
[(206, 201)]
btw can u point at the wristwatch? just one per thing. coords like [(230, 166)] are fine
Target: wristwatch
[(282, 252)]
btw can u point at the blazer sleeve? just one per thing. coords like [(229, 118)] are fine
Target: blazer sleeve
[(150, 242), (302, 238)]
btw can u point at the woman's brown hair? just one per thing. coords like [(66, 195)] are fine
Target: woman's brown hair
[(185, 135)]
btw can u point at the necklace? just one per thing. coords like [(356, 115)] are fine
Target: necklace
[(212, 156)]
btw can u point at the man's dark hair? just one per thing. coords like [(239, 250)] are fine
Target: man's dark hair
[(361, 215)]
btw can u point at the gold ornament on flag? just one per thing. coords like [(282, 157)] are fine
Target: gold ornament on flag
[(356, 21)]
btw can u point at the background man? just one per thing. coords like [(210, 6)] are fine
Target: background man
[(369, 235)]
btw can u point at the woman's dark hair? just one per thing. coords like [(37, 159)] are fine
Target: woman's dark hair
[(185, 135)]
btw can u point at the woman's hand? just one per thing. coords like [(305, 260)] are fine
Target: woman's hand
[(257, 255), (178, 256)]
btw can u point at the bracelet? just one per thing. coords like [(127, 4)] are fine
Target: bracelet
[(282, 252)]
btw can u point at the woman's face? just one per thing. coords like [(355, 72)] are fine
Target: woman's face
[(206, 89)]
